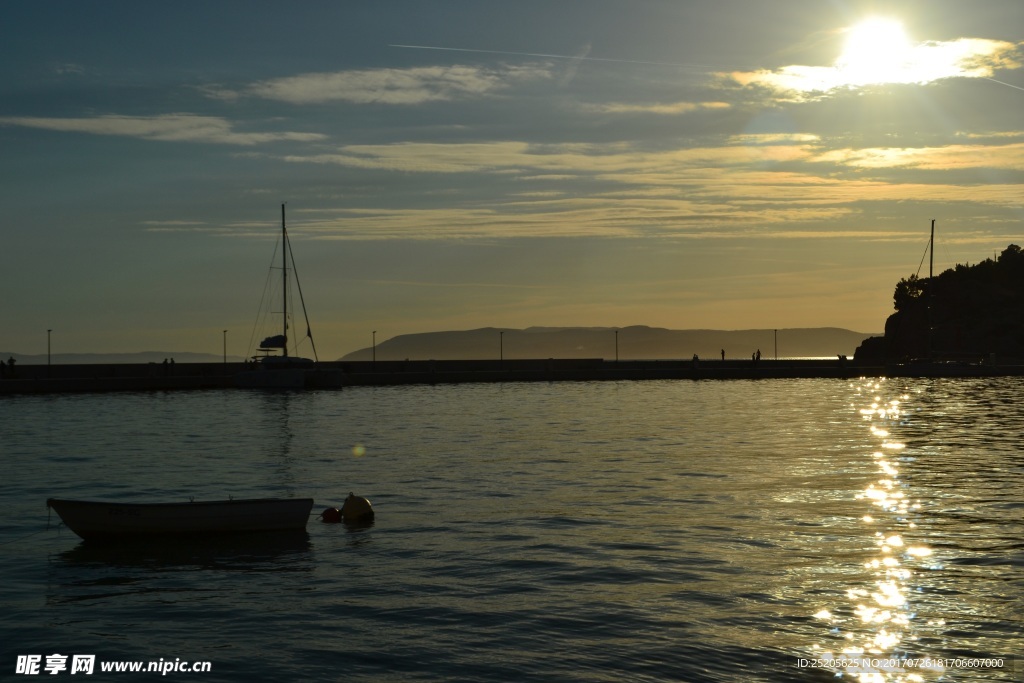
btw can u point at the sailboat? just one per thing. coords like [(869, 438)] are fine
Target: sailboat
[(283, 370)]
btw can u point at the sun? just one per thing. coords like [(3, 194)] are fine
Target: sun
[(877, 50)]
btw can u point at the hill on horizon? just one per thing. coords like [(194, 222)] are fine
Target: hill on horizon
[(637, 342)]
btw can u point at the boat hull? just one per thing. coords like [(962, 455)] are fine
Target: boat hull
[(107, 520)]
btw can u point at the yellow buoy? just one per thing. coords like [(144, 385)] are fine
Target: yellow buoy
[(356, 509)]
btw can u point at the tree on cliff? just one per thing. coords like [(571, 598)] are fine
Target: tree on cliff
[(907, 290)]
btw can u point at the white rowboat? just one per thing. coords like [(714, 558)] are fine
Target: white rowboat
[(106, 520)]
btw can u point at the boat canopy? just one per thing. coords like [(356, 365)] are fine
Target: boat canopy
[(278, 341)]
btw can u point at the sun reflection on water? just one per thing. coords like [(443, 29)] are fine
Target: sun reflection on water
[(878, 642)]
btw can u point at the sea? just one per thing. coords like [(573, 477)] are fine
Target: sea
[(770, 530)]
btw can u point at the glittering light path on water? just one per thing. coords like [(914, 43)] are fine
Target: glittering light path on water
[(875, 637)]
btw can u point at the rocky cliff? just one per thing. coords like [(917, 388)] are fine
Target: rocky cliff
[(968, 313)]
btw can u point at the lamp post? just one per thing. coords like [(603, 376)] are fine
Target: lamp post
[(225, 347)]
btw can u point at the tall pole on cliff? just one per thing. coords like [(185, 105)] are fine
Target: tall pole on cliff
[(931, 287), (931, 251)]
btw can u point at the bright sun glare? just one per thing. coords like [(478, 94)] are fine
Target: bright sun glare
[(876, 51)]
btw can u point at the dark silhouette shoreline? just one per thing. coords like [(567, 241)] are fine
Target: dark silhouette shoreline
[(86, 378), (964, 313)]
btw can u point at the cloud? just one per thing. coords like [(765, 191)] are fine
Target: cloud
[(750, 184), (606, 217), (385, 86), (666, 109), (567, 158), (770, 160), (166, 127), (921, 63), (68, 69), (772, 138), (950, 157)]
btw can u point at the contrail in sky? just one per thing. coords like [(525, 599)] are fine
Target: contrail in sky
[(549, 56), (1008, 85)]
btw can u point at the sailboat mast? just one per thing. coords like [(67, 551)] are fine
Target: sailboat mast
[(931, 251), (284, 278), (931, 287)]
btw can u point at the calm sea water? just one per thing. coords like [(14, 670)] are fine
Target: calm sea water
[(618, 531)]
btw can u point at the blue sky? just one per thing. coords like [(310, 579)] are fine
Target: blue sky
[(453, 165)]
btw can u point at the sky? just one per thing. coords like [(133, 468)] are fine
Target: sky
[(447, 165)]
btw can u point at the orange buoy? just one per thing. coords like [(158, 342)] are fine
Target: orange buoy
[(331, 515), (356, 509)]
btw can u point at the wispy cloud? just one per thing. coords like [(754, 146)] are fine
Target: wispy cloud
[(950, 157), (385, 86), (68, 69), (166, 128), (631, 165), (749, 183), (571, 158), (661, 108), (603, 217)]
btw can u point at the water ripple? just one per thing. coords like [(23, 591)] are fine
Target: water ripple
[(652, 531)]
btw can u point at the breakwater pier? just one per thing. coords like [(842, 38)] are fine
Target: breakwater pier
[(192, 376)]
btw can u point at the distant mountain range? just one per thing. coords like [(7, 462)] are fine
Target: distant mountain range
[(634, 343)]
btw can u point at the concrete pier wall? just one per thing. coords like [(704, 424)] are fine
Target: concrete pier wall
[(181, 376)]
